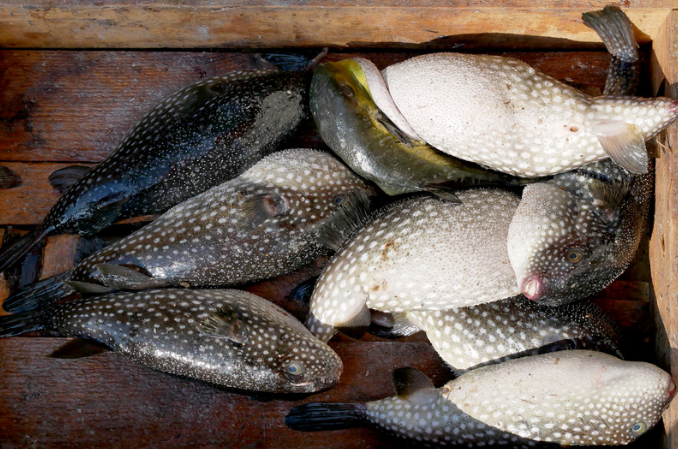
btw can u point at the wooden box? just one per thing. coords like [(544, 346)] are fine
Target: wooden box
[(75, 75)]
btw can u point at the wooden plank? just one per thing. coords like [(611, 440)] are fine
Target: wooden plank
[(259, 24), (76, 106), (664, 240), (108, 402)]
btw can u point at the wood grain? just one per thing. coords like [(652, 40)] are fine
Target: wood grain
[(664, 239), (244, 24)]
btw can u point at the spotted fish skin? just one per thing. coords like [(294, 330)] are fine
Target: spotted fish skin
[(229, 338), (271, 220), (343, 104), (469, 337), (418, 254), (199, 137), (503, 114), (578, 398)]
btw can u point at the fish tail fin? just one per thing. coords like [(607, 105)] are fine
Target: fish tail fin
[(38, 295), (17, 324), (16, 250), (325, 416)]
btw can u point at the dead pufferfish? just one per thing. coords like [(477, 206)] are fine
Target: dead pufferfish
[(286, 211), (503, 114), (569, 398), (229, 338), (418, 254)]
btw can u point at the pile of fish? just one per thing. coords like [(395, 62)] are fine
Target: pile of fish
[(522, 197)]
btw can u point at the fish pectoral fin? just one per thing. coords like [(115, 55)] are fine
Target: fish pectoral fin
[(63, 179), (408, 381), (224, 322), (607, 198), (256, 210), (443, 192), (394, 325), (624, 143), (88, 287), (356, 327), (302, 293), (120, 277), (77, 348), (351, 215), (393, 129), (8, 178)]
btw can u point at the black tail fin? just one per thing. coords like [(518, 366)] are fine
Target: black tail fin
[(325, 416), (616, 32), (39, 295), (20, 323), (15, 251)]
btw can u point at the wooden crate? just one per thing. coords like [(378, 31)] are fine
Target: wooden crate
[(75, 75)]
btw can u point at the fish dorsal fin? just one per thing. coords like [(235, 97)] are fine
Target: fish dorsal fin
[(352, 214), (443, 192), (126, 277), (356, 327), (63, 179), (408, 381), (77, 348), (8, 178), (256, 210), (224, 322), (88, 287), (198, 96), (624, 143)]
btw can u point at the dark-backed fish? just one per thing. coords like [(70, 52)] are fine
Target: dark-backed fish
[(229, 338)]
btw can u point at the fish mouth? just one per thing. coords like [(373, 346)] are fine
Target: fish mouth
[(532, 287)]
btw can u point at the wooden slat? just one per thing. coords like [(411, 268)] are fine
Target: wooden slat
[(245, 24), (664, 241), (107, 402), (63, 106)]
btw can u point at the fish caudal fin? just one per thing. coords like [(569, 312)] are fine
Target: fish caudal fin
[(331, 416), (17, 324), (16, 250), (38, 295)]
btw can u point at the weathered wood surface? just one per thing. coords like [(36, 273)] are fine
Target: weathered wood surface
[(301, 23), (664, 239), (62, 106), (106, 401)]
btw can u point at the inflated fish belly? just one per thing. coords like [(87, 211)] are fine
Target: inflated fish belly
[(570, 398), (418, 254), (229, 338), (503, 114)]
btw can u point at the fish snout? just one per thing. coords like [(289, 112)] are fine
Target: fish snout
[(673, 107), (533, 287), (671, 390)]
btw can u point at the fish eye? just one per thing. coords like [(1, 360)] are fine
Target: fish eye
[(295, 369), (574, 255), (346, 89), (338, 200), (638, 428)]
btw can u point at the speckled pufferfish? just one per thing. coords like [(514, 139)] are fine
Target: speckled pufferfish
[(569, 398), (503, 114), (197, 138), (229, 338), (418, 254), (469, 337), (289, 209)]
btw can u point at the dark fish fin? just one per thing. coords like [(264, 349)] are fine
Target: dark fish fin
[(393, 129), (352, 214), (304, 291), (357, 327), (287, 62), (394, 325), (607, 197), (624, 143), (254, 211), (39, 295), (408, 381), (12, 253), (325, 416), (27, 270), (443, 192), (77, 348), (63, 179), (88, 288), (19, 323), (224, 322), (122, 277), (8, 179)]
